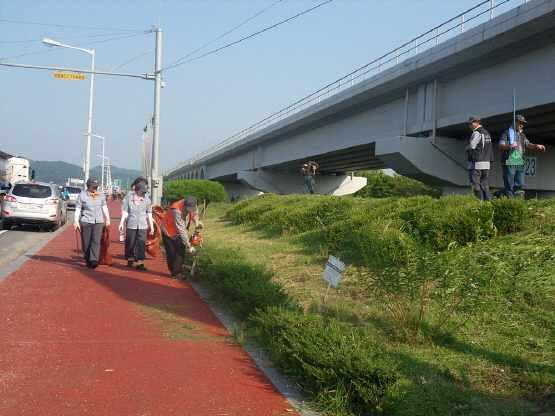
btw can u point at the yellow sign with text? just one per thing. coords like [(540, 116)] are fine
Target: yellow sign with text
[(69, 75)]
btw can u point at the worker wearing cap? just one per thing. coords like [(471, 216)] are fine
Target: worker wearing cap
[(91, 215), (480, 155), (309, 172), (136, 219), (181, 217), (513, 144)]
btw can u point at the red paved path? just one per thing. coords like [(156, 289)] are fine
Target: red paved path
[(115, 341)]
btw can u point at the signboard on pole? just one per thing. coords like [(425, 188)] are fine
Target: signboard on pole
[(75, 76), (334, 271)]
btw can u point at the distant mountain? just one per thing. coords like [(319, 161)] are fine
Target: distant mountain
[(59, 171)]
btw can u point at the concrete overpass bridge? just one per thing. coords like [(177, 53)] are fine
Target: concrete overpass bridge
[(407, 110)]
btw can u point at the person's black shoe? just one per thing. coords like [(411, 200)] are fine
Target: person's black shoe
[(129, 263), (140, 267), (93, 264)]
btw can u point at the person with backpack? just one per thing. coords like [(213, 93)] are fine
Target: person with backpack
[(136, 219), (513, 144), (176, 226), (480, 155)]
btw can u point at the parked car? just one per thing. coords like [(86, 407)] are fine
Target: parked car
[(4, 189), (73, 193), (35, 203)]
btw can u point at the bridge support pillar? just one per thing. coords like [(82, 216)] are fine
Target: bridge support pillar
[(289, 183)]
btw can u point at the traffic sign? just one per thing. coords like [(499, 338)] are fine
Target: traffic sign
[(75, 76)]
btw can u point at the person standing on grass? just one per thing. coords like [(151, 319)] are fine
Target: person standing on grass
[(309, 172), (513, 145), (182, 215), (91, 216), (480, 156), (136, 219)]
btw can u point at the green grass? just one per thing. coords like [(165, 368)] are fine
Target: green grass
[(484, 343)]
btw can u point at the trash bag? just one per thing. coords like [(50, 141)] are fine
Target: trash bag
[(153, 241), (105, 255)]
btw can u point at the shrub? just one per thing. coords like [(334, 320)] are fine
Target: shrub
[(244, 286), (335, 362), (509, 215), (250, 210), (381, 185), (203, 190), (449, 220)]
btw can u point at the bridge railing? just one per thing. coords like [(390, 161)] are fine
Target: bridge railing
[(480, 13)]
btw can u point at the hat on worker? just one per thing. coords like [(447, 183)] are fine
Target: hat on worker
[(92, 182), (474, 119), (190, 204), (141, 187), (520, 118)]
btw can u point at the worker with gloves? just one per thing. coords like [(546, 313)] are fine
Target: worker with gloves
[(136, 219), (176, 226)]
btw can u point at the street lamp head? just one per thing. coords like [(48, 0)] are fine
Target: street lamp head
[(51, 42)]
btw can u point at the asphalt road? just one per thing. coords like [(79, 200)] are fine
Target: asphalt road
[(18, 241)]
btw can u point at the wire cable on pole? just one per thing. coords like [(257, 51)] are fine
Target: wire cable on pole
[(65, 39), (43, 51), (133, 59), (64, 26), (181, 61), (227, 32)]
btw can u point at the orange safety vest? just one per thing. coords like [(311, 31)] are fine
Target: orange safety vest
[(169, 221)]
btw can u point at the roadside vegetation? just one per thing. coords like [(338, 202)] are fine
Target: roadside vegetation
[(381, 185), (205, 191), (446, 308)]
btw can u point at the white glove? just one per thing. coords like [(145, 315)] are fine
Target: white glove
[(191, 250)]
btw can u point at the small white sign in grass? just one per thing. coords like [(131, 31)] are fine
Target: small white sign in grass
[(334, 271)]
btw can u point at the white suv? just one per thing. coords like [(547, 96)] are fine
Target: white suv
[(35, 203)]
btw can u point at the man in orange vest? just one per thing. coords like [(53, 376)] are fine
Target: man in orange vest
[(181, 216)]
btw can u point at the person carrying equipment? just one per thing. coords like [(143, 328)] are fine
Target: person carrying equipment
[(176, 225), (513, 145), (308, 171), (136, 217), (91, 216)]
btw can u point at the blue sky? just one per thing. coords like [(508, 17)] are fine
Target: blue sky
[(205, 101)]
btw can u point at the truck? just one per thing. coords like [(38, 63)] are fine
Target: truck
[(76, 182), (13, 170), (73, 187)]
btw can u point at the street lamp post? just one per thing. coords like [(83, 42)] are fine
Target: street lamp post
[(91, 52), (103, 156)]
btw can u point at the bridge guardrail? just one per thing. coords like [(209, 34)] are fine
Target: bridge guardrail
[(472, 17)]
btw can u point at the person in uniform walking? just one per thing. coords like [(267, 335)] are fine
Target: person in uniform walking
[(480, 156), (513, 145), (136, 219), (181, 217), (91, 216)]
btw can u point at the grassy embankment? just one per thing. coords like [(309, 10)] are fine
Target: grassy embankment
[(446, 308)]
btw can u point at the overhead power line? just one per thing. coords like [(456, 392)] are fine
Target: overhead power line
[(26, 22), (66, 39), (133, 59), (228, 32), (45, 51), (183, 61)]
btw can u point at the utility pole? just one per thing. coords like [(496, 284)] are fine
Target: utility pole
[(89, 122), (156, 182)]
